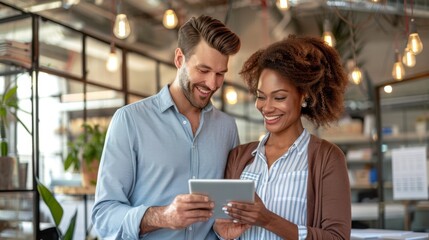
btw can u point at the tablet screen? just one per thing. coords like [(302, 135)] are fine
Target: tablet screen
[(222, 191)]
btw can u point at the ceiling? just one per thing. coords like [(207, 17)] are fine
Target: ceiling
[(379, 28)]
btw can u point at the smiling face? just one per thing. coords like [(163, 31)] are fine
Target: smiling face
[(202, 74), (279, 102)]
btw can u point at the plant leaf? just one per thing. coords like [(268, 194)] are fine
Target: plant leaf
[(11, 92), (50, 201), (70, 229), (68, 162)]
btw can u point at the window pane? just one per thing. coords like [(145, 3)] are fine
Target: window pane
[(15, 168), (16, 211), (168, 73), (97, 54), (59, 98), (6, 11), (141, 74), (102, 104), (60, 48), (15, 44), (61, 109)]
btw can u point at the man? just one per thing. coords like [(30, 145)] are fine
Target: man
[(154, 146)]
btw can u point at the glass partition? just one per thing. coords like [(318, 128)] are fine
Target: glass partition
[(6, 12), (16, 215), (60, 48), (97, 53), (167, 74), (141, 74), (15, 44), (404, 132), (16, 168)]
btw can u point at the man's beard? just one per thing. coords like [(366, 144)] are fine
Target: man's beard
[(186, 87)]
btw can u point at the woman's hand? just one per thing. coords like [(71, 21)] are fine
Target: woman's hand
[(228, 229), (250, 213)]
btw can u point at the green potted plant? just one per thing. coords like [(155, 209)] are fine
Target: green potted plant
[(8, 112), (57, 212), (85, 153)]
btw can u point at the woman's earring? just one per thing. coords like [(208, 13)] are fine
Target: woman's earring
[(304, 104)]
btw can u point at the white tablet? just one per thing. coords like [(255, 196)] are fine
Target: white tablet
[(222, 191)]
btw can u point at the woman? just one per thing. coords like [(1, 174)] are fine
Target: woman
[(301, 181)]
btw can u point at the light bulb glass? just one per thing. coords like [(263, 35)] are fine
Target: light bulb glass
[(122, 27), (388, 89), (112, 63), (231, 96), (356, 75), (398, 71), (414, 43), (283, 4), (170, 19), (329, 38), (409, 59), (71, 2)]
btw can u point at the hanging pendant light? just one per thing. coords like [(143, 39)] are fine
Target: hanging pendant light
[(283, 5), (112, 63), (231, 95), (122, 27), (414, 43), (388, 89), (398, 71), (328, 37), (408, 58), (170, 20), (354, 72), (356, 75)]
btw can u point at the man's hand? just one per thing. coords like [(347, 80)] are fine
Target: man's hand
[(185, 210), (188, 209)]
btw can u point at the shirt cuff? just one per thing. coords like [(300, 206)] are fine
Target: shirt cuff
[(302, 232), (131, 224)]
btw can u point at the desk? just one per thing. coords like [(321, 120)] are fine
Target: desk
[(78, 191), (370, 233)]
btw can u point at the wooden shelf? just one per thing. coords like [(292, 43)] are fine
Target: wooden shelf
[(349, 139), (409, 136)]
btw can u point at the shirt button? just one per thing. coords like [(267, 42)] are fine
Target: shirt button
[(184, 122), (190, 228)]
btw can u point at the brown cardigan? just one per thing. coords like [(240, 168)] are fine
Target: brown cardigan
[(328, 188)]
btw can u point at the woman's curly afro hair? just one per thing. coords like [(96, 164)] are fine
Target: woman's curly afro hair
[(312, 66)]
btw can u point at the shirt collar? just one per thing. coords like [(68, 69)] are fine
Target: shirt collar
[(299, 143), (166, 101)]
